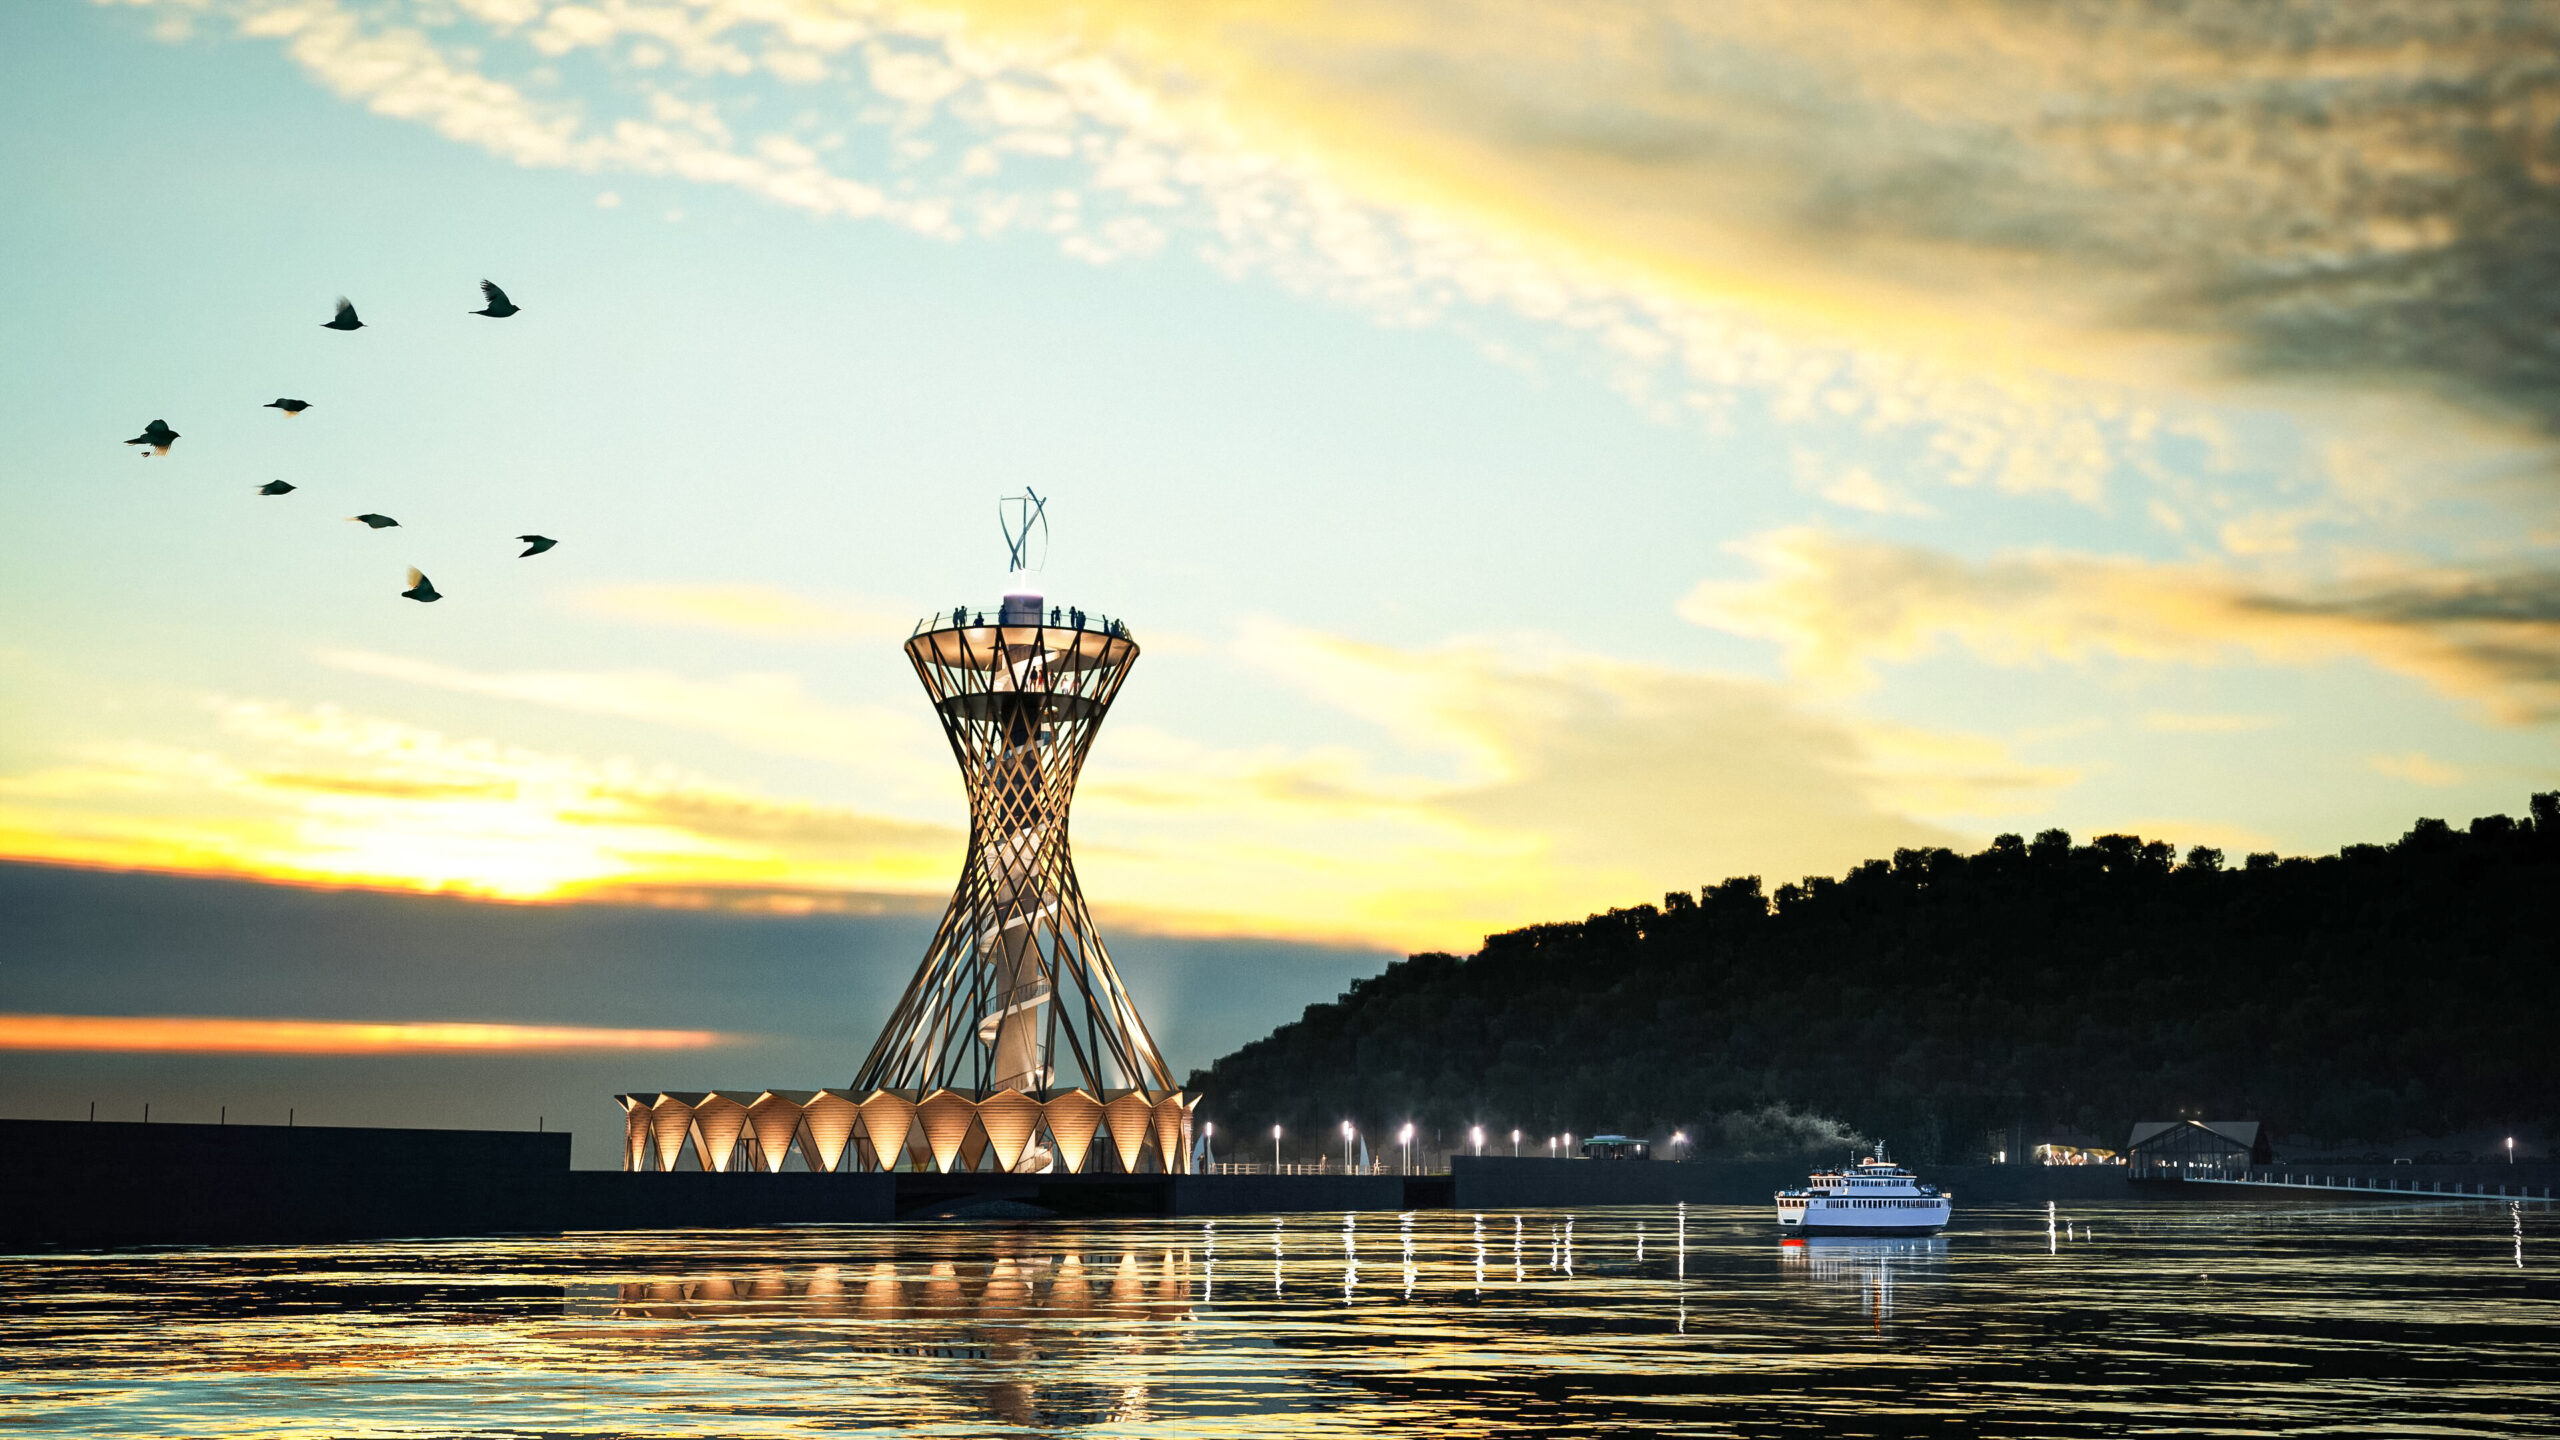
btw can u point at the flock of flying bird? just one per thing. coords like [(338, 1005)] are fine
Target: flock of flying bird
[(160, 437)]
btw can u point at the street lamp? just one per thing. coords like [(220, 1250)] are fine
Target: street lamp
[(1551, 1147), (1209, 1138), (1478, 1136), (1568, 1144), (1678, 1139), (1346, 1146), (1404, 1138), (1275, 1149), (2511, 1149), (1515, 1144)]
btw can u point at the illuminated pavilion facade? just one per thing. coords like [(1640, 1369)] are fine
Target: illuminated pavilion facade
[(1016, 1048)]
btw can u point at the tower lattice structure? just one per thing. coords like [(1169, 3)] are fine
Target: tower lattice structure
[(1016, 1047), (1017, 991)]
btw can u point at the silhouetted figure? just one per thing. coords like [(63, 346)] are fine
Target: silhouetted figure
[(500, 307), (1053, 614), (982, 617), (275, 487), (157, 435), (375, 522), (535, 544), (290, 407), (1076, 618), (346, 317), (959, 616), (420, 588)]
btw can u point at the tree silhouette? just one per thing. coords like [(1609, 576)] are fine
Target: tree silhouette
[(1939, 999)]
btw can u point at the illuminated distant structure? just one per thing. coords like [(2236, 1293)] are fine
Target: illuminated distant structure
[(1016, 1047)]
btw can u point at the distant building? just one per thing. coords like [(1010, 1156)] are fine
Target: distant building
[(1616, 1147), (2168, 1149)]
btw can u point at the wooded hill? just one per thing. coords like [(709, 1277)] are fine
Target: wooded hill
[(1938, 999)]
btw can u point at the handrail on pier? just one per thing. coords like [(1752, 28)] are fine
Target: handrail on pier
[(2414, 1188)]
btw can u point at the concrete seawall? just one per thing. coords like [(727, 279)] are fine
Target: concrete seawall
[(74, 1183)]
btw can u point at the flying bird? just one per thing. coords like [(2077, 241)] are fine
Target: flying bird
[(500, 307), (275, 487), (536, 544), (346, 317), (375, 522), (157, 435), (420, 588), (290, 407)]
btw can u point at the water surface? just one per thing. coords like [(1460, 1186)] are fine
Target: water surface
[(2269, 1317)]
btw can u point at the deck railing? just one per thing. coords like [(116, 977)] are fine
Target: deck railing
[(1318, 1167), (2282, 1179), (968, 617)]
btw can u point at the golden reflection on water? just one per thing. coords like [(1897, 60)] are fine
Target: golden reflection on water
[(1663, 1321)]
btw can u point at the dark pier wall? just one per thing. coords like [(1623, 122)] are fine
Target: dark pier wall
[(1490, 1182), (692, 1200), (76, 1183), (1269, 1194)]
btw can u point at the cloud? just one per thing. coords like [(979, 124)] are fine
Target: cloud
[(209, 1035), (1526, 782), (758, 610), (1837, 606), (1854, 487), (2416, 767), (1512, 782), (2173, 723), (282, 792), (766, 712), (2034, 237)]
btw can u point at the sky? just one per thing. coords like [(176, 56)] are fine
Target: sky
[(1548, 454)]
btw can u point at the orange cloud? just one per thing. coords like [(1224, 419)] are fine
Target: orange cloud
[(1837, 606), (216, 1035)]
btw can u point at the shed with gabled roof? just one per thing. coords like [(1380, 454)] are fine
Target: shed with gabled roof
[(2171, 1149)]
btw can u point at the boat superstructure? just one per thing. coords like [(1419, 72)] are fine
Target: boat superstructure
[(1865, 1197)]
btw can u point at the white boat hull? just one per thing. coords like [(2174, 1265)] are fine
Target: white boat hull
[(1864, 1215)]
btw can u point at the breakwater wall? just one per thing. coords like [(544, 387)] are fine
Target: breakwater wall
[(83, 1185), (73, 1183)]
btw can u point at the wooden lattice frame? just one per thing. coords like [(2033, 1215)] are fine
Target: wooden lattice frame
[(1020, 704)]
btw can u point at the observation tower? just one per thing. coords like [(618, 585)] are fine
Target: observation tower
[(1016, 1047)]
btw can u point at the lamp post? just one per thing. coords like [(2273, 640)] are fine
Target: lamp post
[(1404, 1140), (1551, 1147), (1346, 1147), (2511, 1149), (1568, 1144), (1275, 1149), (1209, 1138), (1515, 1144), (1477, 1135), (1679, 1138)]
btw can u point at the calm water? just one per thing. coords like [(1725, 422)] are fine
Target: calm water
[(2126, 1319)]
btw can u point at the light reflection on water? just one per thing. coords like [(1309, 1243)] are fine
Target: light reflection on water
[(2119, 1318)]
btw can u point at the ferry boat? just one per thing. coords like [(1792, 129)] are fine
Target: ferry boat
[(1867, 1197)]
